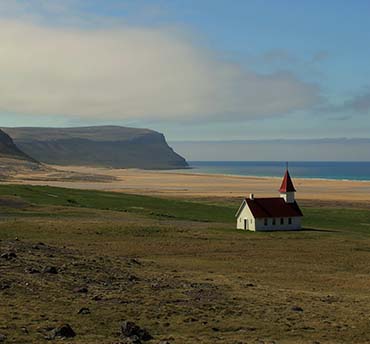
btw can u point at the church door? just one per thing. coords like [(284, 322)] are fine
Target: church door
[(245, 224)]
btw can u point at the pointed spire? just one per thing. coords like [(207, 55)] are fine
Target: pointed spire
[(287, 184)]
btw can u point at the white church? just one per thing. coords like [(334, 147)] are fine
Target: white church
[(271, 214)]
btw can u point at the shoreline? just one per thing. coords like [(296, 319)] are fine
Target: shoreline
[(256, 176), (321, 170), (180, 184)]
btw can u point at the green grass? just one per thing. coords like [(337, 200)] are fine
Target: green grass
[(158, 207), (193, 277), (338, 219)]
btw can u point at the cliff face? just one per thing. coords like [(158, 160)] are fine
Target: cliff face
[(9, 150), (108, 146)]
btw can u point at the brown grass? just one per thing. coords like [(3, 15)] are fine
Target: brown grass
[(190, 282)]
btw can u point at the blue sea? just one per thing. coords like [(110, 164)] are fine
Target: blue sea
[(320, 170)]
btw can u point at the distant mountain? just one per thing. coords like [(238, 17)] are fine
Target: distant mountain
[(9, 150), (106, 146)]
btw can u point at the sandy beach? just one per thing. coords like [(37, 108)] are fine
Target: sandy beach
[(188, 184)]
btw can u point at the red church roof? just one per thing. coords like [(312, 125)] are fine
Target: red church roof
[(271, 207), (287, 184)]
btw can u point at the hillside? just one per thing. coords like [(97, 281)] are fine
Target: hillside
[(9, 150), (110, 146), (177, 268), (13, 160)]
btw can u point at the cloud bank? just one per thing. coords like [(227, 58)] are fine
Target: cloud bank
[(360, 103), (275, 150), (133, 73)]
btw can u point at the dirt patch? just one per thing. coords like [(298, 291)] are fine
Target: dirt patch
[(13, 202)]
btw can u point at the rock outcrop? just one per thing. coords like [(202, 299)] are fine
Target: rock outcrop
[(8, 149), (105, 146)]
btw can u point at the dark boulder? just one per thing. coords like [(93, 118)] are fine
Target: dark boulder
[(50, 270), (133, 278), (8, 255), (130, 330), (84, 311), (97, 298), (134, 261), (63, 331), (297, 309), (81, 290), (4, 285), (31, 270)]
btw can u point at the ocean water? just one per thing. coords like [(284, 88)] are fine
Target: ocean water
[(298, 169)]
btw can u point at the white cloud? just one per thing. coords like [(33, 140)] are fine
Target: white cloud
[(133, 73)]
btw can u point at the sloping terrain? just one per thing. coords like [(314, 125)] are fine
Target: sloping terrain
[(110, 146), (97, 263), (8, 149), (16, 165), (12, 159)]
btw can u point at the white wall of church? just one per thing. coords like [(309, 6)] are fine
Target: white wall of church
[(246, 214), (296, 224), (289, 197), (246, 221)]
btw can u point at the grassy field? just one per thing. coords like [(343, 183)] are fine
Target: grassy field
[(44, 195), (179, 269)]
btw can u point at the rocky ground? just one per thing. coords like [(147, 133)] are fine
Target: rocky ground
[(58, 277), (51, 292), (101, 276)]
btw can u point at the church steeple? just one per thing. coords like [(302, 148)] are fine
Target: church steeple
[(287, 189)]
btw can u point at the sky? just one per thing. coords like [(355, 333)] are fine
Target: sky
[(195, 70), (283, 150)]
